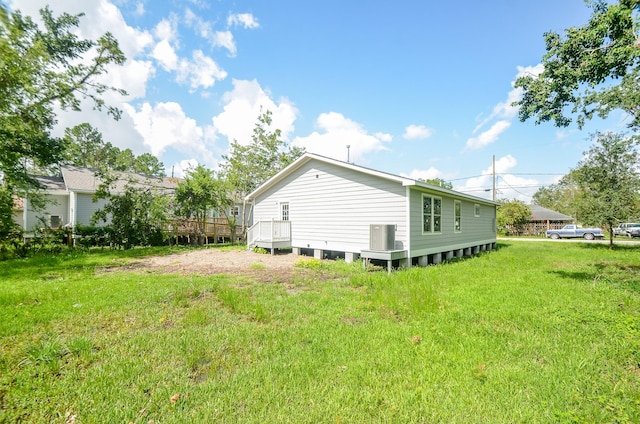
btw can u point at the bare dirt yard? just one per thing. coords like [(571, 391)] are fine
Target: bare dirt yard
[(264, 267)]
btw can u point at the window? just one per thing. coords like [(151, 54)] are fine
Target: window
[(236, 210), (55, 221), (476, 210), (431, 214), (457, 224), (284, 208)]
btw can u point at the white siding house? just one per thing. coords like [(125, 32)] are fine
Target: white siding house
[(327, 205), (70, 198)]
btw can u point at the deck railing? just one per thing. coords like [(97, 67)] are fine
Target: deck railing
[(269, 231)]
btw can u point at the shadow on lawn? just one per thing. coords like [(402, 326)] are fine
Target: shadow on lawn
[(622, 274)]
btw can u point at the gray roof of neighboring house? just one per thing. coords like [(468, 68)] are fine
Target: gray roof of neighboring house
[(538, 213), (51, 183)]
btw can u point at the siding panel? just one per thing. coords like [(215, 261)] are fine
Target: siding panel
[(331, 207)]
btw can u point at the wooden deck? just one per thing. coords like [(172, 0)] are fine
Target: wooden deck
[(270, 235), (215, 229)]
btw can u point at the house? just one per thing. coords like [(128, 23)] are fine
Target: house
[(543, 219), (70, 197), (329, 207)]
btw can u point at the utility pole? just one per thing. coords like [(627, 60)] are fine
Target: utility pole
[(348, 151), (493, 165)]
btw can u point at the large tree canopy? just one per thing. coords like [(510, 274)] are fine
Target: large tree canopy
[(590, 71), (42, 69)]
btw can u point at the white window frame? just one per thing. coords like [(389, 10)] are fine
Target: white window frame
[(285, 211), (432, 214), (457, 216), (476, 210)]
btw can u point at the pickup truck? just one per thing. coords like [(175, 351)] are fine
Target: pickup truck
[(628, 229), (575, 231)]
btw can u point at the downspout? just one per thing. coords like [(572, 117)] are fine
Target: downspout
[(407, 216)]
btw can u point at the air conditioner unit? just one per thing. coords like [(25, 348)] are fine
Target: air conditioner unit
[(382, 237)]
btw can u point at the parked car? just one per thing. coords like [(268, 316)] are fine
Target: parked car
[(628, 229), (575, 231)]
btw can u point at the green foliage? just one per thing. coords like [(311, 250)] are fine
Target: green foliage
[(439, 182), (84, 147), (590, 71), (41, 70), (512, 215), (92, 235), (561, 196), (260, 250), (249, 166), (135, 217), (198, 194), (609, 181)]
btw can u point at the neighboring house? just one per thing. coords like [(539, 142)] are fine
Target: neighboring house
[(70, 197), (328, 206)]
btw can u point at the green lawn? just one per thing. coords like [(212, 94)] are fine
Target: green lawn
[(532, 332)]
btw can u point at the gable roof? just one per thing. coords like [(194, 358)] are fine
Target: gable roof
[(538, 213), (405, 181)]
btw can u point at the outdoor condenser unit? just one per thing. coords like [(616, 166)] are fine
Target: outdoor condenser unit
[(382, 237)]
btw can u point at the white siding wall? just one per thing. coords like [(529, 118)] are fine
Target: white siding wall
[(331, 207), (57, 205), (85, 207), (474, 230)]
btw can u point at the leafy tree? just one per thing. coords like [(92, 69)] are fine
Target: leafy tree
[(609, 181), (593, 69), (247, 167), (560, 196), (439, 182), (197, 195), (42, 69), (85, 147), (134, 217), (513, 214), (7, 226)]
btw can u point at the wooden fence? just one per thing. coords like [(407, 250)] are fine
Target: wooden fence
[(215, 230)]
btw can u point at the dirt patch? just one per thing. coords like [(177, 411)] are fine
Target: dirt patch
[(265, 267)]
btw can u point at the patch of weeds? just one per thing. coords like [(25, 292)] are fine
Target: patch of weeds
[(47, 352), (184, 297), (310, 263), (257, 266), (260, 250)]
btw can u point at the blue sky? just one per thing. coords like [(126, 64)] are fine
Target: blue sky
[(416, 88)]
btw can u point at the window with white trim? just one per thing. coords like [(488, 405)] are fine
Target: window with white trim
[(431, 214), (284, 211), (457, 216), (476, 210)]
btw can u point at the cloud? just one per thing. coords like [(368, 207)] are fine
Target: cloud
[(417, 132), (181, 168), (246, 20), (508, 186), (336, 132), (201, 71), (383, 136), (225, 39), (242, 107), (424, 174), (504, 112), (205, 30), (488, 136), (166, 125)]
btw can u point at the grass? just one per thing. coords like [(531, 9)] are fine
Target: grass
[(532, 332)]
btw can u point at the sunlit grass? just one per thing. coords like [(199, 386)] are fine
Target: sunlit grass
[(532, 332)]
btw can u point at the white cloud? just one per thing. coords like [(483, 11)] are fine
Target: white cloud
[(336, 132), (242, 107), (508, 186), (166, 125), (489, 136), (166, 56), (205, 30), (246, 20), (180, 169), (417, 132), (384, 136), (425, 174), (201, 71), (140, 9)]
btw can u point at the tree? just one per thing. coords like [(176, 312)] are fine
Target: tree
[(593, 69), (439, 182), (247, 167), (42, 69), (513, 214), (197, 195), (135, 217), (609, 181), (559, 197), (84, 146)]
